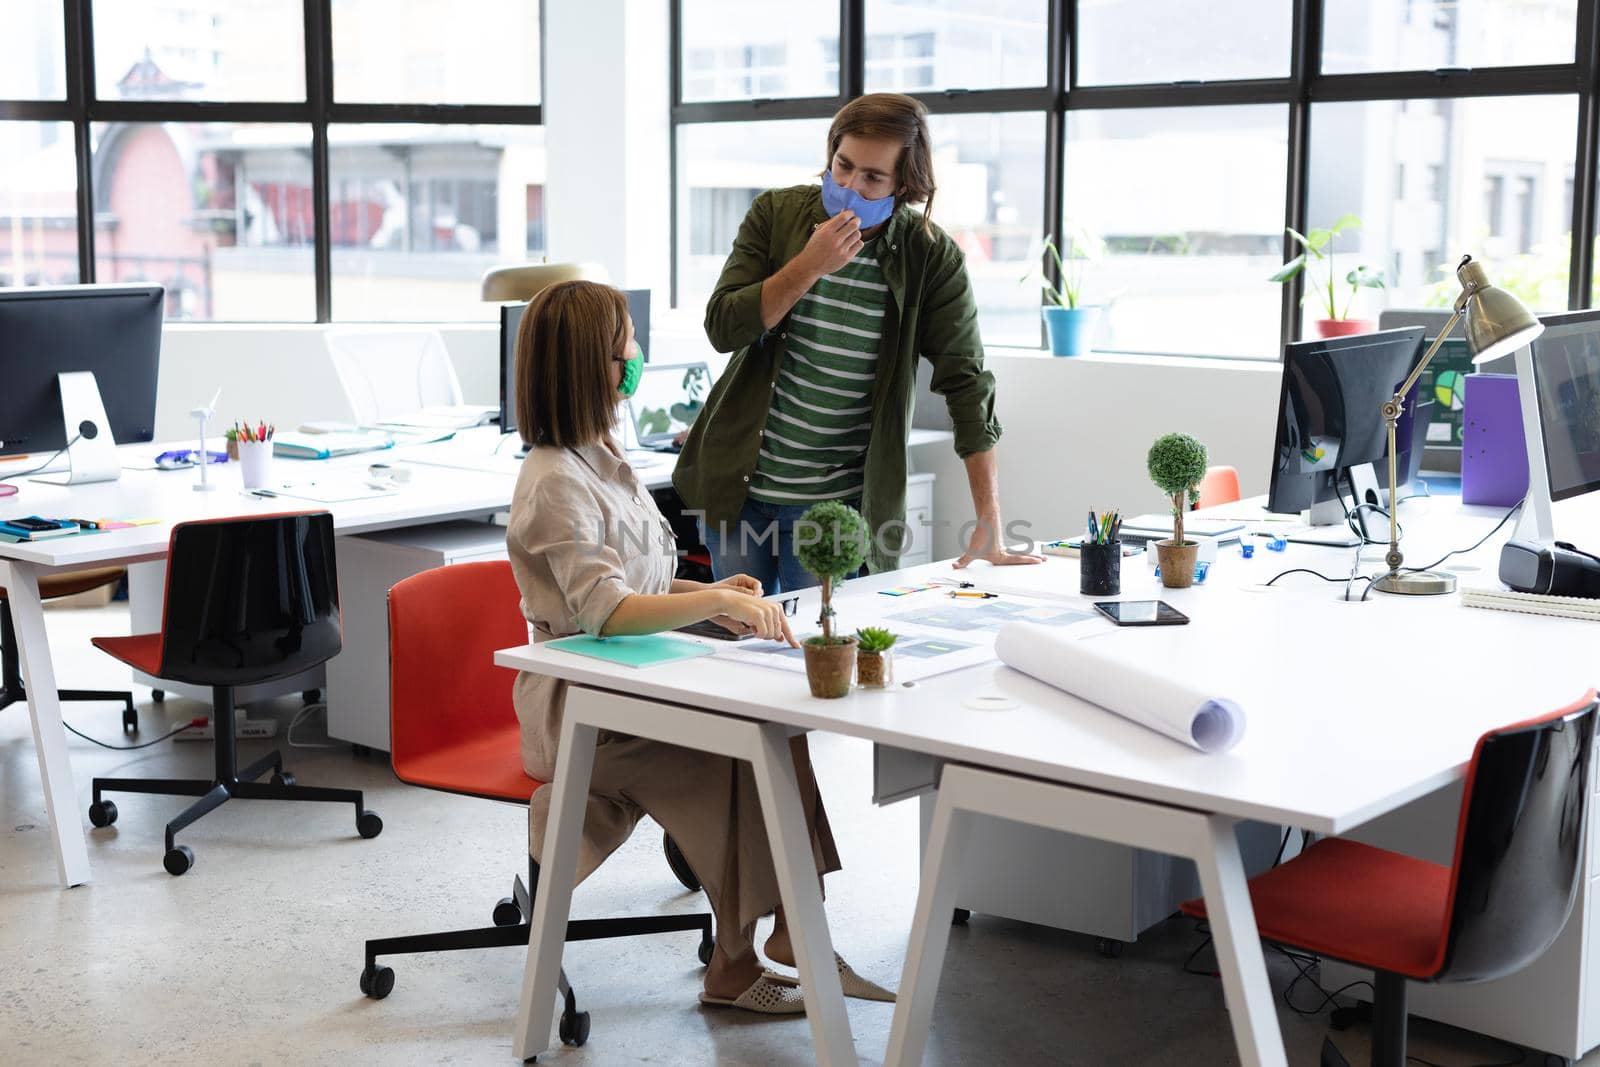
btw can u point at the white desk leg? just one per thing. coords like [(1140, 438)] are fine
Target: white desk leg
[(802, 898), (552, 897), (1233, 929), (21, 581), (930, 935)]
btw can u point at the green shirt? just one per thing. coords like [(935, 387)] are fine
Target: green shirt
[(930, 313), (815, 443)]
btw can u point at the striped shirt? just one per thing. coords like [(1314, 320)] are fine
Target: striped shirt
[(815, 443)]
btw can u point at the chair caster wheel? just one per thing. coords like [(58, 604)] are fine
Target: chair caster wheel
[(377, 982), (102, 813), (311, 696), (960, 917), (708, 945), (507, 913), (574, 1029), (178, 860), (130, 721), (680, 866), (368, 824), (1109, 947), (158, 695), (283, 778)]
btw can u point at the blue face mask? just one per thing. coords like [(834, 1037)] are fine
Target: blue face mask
[(836, 199)]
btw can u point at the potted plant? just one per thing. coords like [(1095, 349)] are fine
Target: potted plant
[(232, 434), (1317, 248), (831, 542), (1067, 319), (1177, 464), (874, 661)]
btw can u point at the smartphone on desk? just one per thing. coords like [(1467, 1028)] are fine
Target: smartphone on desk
[(1141, 612), (715, 630)]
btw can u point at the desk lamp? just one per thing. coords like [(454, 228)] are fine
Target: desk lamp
[(1497, 324), (523, 281)]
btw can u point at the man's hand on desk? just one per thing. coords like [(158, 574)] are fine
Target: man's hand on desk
[(985, 545)]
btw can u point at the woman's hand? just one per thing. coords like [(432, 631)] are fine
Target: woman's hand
[(765, 618), (741, 583)]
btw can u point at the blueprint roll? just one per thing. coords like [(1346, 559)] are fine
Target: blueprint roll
[(1123, 686)]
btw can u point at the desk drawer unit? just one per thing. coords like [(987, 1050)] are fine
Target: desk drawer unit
[(919, 518), (358, 677)]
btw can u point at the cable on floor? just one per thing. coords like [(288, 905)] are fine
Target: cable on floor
[(192, 724), (303, 713)]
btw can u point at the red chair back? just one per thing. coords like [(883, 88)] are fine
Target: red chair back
[(1219, 486), (1520, 843), (444, 688)]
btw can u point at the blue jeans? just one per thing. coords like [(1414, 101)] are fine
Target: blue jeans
[(760, 544)]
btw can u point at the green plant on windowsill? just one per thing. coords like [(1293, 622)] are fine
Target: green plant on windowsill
[(1316, 260)]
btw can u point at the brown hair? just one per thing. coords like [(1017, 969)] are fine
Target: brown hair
[(893, 117), (568, 338)]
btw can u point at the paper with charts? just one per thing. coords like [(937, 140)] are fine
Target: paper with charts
[(938, 635)]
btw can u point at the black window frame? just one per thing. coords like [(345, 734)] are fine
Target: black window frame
[(82, 107), (1304, 87)]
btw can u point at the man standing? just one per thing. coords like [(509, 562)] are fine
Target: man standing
[(829, 296)]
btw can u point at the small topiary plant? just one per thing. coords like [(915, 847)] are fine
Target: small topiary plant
[(875, 639), (1177, 464), (831, 542)]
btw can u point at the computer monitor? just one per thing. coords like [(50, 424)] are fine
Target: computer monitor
[(511, 322), (1330, 419), (111, 331), (667, 402), (1566, 385)]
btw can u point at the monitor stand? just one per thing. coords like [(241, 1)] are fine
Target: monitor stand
[(1362, 482), (1534, 521), (91, 452)]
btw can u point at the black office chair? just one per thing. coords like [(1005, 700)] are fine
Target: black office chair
[(248, 600), (50, 587), (1520, 844)]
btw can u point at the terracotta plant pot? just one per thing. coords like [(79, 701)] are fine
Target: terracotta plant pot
[(233, 449), (1177, 559), (1344, 327), (830, 668), (875, 670)]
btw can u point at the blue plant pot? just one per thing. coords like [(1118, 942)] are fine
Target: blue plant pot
[(1071, 330)]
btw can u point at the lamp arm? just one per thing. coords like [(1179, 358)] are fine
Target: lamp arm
[(1391, 416)]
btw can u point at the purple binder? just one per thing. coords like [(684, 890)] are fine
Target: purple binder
[(1494, 453)]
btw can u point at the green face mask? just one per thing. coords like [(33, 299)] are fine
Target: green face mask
[(631, 372)]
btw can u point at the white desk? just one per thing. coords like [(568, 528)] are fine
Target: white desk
[(432, 495), (1336, 737)]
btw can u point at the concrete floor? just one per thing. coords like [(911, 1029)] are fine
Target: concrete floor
[(252, 957)]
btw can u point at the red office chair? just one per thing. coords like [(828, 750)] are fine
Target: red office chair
[(1519, 846), (452, 727), (1219, 486), (50, 587), (248, 600)]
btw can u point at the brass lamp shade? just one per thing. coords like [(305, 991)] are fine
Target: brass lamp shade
[(1497, 322), (523, 281)]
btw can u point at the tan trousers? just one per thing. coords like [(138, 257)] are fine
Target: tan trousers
[(709, 804)]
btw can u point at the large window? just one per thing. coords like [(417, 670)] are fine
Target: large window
[(221, 162), (1187, 138)]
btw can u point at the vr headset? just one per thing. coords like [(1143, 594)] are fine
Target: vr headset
[(1553, 570)]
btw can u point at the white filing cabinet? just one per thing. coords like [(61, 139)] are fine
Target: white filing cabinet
[(358, 678), (919, 518)]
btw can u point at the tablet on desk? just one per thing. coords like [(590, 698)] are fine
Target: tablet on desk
[(1141, 612)]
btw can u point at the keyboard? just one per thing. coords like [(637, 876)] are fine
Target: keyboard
[(1566, 607)]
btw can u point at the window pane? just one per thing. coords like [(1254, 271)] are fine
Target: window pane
[(1493, 177), (35, 63), (1189, 202), (219, 213), (38, 204), (722, 166), (750, 49), (418, 213), (923, 45), (436, 52), (990, 171), (1428, 34), (1134, 42), (218, 50)]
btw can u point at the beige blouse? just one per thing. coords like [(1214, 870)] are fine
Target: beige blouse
[(584, 534)]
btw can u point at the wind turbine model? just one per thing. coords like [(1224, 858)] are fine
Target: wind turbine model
[(202, 414)]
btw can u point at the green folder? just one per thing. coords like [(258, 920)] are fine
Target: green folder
[(645, 650)]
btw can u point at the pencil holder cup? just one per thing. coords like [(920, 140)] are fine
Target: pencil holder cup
[(1100, 569), (255, 463)]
